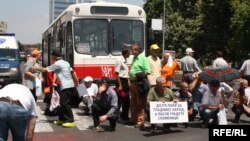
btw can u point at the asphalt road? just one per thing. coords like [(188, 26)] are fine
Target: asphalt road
[(46, 130)]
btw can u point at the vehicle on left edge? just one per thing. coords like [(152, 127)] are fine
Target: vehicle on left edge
[(9, 60)]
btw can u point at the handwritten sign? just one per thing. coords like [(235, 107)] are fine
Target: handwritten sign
[(168, 112)]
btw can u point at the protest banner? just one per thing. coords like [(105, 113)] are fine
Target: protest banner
[(168, 112)]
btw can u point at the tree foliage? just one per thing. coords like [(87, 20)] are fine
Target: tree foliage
[(240, 28), (205, 25)]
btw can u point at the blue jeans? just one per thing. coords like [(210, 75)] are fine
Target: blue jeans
[(208, 114), (15, 118), (197, 106)]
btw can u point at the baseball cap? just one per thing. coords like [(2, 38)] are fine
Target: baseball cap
[(56, 53), (154, 46), (88, 79), (35, 52), (189, 50)]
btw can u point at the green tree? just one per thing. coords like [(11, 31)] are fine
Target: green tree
[(182, 22), (240, 28), (216, 22), (205, 25)]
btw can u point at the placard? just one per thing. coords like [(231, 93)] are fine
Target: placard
[(168, 112)]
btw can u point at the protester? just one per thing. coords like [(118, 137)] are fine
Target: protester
[(169, 66), (105, 107), (139, 88), (51, 84), (160, 93), (245, 70), (30, 77), (92, 90), (123, 83), (197, 89), (155, 64), (189, 66), (213, 101), (17, 113), (219, 62), (66, 76), (184, 95), (241, 97)]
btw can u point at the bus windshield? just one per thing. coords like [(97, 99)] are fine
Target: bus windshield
[(92, 35), (125, 33), (7, 54)]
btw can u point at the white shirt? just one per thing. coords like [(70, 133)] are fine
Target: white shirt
[(92, 90), (219, 63), (210, 99), (121, 67), (247, 93), (22, 94), (245, 68), (225, 87)]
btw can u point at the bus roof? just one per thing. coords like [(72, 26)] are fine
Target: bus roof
[(85, 10)]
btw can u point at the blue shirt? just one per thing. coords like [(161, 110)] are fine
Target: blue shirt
[(63, 72)]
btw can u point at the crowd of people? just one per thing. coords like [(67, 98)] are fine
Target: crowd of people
[(147, 79)]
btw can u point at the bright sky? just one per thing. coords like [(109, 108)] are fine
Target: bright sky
[(29, 18)]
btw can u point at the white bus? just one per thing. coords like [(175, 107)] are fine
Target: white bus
[(91, 36)]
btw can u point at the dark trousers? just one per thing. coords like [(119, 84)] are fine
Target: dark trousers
[(188, 77), (33, 91), (193, 115), (238, 112), (66, 113), (75, 100), (207, 114), (98, 110), (124, 102)]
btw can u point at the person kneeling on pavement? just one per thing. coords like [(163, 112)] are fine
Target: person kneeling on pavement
[(105, 106), (212, 102)]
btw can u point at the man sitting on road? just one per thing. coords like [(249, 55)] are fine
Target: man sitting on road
[(184, 95), (160, 93)]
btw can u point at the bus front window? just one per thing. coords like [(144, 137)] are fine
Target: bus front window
[(91, 36), (125, 33)]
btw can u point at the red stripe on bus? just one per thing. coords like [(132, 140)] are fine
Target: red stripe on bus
[(95, 71)]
